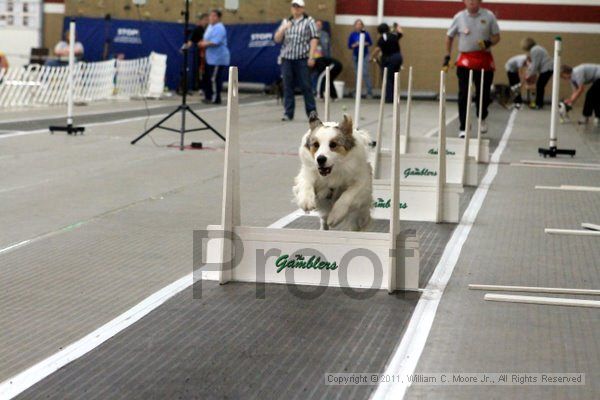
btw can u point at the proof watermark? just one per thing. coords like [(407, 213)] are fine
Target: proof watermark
[(459, 379), (307, 271)]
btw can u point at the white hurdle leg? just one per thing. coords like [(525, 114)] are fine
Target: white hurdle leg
[(378, 137), (327, 91), (408, 111), (359, 73), (441, 177), (467, 129), (231, 179), (480, 117), (395, 188)]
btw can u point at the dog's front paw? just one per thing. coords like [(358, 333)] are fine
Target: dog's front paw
[(337, 214), (307, 202)]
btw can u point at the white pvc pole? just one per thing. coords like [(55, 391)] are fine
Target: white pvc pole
[(478, 154), (552, 301), (327, 91), (408, 111), (467, 127), (395, 187), (359, 73), (230, 216), (555, 92), (535, 289), (441, 177), (70, 82), (378, 137), (573, 232), (380, 8)]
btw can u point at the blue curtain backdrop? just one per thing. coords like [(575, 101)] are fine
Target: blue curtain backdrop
[(251, 45)]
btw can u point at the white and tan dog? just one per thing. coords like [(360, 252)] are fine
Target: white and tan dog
[(335, 178)]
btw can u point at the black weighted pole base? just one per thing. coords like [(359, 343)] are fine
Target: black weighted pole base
[(552, 152), (70, 129)]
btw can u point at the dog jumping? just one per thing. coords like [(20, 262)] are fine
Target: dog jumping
[(335, 177)]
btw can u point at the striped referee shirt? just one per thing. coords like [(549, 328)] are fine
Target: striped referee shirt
[(296, 42)]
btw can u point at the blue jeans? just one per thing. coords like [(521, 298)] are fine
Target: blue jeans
[(366, 75), (296, 73)]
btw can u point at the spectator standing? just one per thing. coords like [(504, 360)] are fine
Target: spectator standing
[(324, 46), (580, 76), (354, 44), (217, 57), (299, 37), (513, 69), (477, 30), (391, 56), (540, 65), (61, 50)]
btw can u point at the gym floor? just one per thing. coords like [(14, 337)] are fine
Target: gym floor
[(92, 226)]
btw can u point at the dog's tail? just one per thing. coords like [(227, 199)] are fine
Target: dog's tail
[(363, 137)]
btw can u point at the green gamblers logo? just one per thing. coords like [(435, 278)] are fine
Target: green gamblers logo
[(381, 203), (314, 262), (448, 152), (419, 172)]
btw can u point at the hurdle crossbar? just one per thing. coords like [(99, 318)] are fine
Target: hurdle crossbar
[(553, 301)]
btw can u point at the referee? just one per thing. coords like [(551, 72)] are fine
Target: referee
[(299, 36), (477, 30)]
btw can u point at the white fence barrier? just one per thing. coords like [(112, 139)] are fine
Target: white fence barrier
[(47, 85)]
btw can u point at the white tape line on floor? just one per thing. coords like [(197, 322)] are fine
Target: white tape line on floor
[(405, 359), (24, 380)]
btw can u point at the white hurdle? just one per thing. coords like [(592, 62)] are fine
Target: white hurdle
[(425, 193), (304, 256), (461, 165)]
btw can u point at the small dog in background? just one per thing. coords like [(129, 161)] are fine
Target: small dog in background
[(335, 177), (564, 112), (276, 88), (503, 94)]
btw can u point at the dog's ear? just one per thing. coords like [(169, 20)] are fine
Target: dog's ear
[(346, 125), (314, 121)]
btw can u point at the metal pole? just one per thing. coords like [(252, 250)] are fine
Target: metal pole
[(359, 73)]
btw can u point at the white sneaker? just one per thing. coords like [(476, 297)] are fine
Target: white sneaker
[(583, 121), (596, 121), (484, 127), (461, 134)]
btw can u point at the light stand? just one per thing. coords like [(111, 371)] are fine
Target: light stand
[(552, 151), (183, 107)]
